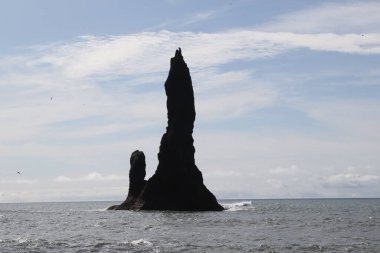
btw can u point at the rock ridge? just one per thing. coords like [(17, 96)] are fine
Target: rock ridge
[(177, 183)]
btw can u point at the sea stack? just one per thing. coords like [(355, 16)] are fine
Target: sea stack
[(177, 183)]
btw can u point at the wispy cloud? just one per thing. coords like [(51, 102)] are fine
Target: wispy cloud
[(198, 17), (109, 57), (51, 192), (18, 181), (352, 116), (284, 170), (350, 180), (77, 71), (91, 177), (187, 20), (340, 17)]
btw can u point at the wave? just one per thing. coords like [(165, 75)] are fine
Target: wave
[(22, 240), (141, 242), (239, 206), (97, 210)]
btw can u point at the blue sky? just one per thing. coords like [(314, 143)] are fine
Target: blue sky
[(287, 95)]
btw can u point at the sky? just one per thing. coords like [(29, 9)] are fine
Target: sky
[(287, 95)]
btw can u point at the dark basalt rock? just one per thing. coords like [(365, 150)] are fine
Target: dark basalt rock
[(136, 182), (177, 183)]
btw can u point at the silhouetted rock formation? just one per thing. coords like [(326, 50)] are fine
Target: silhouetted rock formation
[(177, 183), (136, 181)]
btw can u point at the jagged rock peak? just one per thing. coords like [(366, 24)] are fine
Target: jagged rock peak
[(177, 183)]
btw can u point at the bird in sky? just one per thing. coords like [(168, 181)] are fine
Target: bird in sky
[(18, 172)]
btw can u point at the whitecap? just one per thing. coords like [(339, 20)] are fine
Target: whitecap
[(141, 242), (21, 240), (238, 206), (97, 210), (99, 224)]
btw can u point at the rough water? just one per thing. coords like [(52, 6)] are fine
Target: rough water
[(317, 225)]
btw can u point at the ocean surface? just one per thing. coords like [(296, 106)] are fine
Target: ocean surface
[(314, 225)]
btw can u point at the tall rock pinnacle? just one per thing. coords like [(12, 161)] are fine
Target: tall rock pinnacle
[(177, 183)]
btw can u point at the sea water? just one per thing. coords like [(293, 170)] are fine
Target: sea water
[(305, 225)]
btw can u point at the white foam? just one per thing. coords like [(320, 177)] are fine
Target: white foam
[(21, 240), (141, 242), (97, 210), (238, 206), (99, 224)]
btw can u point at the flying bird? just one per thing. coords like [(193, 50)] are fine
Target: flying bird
[(18, 172)]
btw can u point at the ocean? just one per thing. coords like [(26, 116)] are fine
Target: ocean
[(295, 225)]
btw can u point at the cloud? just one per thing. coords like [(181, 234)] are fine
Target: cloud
[(276, 183), (18, 181), (197, 17), (340, 17), (235, 103), (98, 75), (224, 173), (52, 193), (188, 20), (91, 177), (125, 55), (93, 186), (94, 176), (354, 117), (62, 179), (212, 79), (305, 162), (284, 170), (351, 180)]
